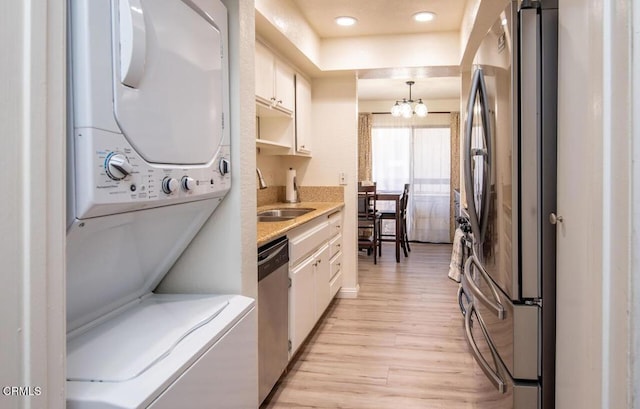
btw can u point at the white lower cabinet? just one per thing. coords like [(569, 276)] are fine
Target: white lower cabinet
[(302, 304), (322, 280), (335, 274), (335, 253), (314, 277)]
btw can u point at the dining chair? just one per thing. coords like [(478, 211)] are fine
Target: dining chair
[(368, 235), (391, 215)]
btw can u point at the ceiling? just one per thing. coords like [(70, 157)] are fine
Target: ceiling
[(379, 17), (385, 17)]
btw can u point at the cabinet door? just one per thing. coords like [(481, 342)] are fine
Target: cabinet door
[(302, 304), (303, 116), (322, 278), (264, 66), (285, 86)]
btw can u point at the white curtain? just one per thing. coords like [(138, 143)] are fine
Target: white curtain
[(418, 154)]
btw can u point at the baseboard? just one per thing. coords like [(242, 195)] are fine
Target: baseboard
[(348, 292)]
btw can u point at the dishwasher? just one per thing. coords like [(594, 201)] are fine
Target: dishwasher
[(273, 314)]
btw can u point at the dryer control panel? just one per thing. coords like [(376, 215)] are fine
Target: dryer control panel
[(117, 179)]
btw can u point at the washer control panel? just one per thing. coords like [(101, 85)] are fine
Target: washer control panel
[(116, 179)]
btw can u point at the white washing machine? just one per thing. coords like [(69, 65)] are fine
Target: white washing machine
[(148, 163)]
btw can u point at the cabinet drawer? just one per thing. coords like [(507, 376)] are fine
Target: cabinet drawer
[(335, 224), (306, 239), (335, 265), (335, 245), (335, 284)]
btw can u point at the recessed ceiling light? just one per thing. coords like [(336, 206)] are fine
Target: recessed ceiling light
[(345, 21), (504, 21), (424, 16)]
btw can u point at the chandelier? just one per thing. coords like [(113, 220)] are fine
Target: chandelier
[(406, 108)]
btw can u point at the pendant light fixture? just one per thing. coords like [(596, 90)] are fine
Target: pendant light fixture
[(406, 107)]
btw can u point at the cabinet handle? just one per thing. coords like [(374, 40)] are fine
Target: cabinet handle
[(279, 101), (338, 245), (555, 219), (319, 261)]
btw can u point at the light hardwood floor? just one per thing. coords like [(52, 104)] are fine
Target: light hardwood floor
[(400, 344)]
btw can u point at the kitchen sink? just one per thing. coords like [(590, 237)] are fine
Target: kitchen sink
[(274, 218), (281, 215), (284, 213)]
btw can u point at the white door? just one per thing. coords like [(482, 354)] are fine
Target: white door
[(284, 86), (579, 203), (264, 73), (302, 302), (322, 278)]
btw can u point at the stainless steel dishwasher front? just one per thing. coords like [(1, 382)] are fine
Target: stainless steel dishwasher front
[(273, 313)]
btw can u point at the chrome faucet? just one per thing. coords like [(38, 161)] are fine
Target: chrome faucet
[(261, 183)]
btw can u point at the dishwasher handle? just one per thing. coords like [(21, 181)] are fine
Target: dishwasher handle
[(272, 256)]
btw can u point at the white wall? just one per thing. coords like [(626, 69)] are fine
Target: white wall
[(335, 149), (635, 217), (478, 17), (285, 16), (593, 198), (222, 257), (390, 51), (32, 211)]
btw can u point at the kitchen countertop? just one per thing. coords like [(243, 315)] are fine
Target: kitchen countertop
[(268, 231)]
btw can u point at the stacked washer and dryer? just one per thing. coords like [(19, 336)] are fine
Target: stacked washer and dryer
[(148, 163)]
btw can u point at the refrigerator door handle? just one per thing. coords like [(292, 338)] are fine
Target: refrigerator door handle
[(494, 306), (467, 152), (492, 375), (487, 157), (478, 93), (461, 294)]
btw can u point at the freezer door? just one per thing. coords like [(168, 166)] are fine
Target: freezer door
[(513, 330), (508, 394)]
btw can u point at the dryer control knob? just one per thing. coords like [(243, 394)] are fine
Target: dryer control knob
[(117, 166), (188, 183), (169, 185), (223, 166)]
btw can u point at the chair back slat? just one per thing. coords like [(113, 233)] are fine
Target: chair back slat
[(367, 201), (404, 200)]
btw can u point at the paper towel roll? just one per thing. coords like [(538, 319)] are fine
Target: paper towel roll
[(291, 194)]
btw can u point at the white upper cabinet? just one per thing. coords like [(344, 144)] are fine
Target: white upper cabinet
[(303, 116), (274, 81), (264, 74), (284, 86)]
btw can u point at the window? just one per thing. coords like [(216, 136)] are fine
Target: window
[(421, 156)]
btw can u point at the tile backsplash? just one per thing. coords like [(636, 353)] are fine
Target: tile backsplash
[(276, 194)]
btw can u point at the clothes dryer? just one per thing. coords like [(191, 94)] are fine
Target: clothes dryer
[(148, 163)]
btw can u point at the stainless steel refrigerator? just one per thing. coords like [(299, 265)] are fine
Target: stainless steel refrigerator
[(509, 162)]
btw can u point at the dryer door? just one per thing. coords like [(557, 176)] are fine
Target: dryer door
[(168, 80)]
